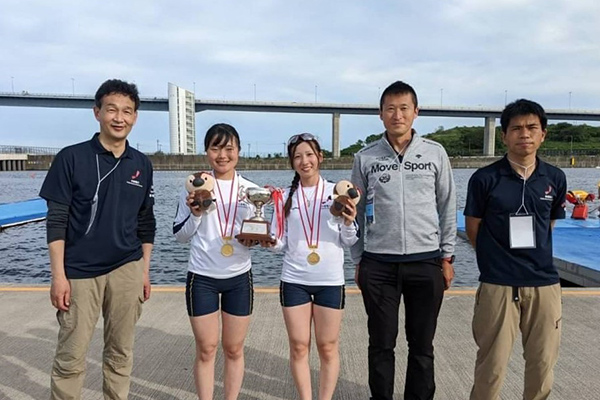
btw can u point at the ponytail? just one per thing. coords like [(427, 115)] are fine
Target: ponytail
[(293, 188)]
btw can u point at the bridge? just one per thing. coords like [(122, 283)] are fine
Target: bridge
[(489, 114)]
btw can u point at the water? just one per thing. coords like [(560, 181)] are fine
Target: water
[(25, 258)]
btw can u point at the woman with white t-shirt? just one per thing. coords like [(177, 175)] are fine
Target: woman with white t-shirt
[(312, 278), (218, 265)]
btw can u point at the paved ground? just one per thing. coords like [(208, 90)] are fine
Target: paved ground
[(164, 350)]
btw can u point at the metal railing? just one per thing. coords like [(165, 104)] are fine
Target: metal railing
[(6, 149)]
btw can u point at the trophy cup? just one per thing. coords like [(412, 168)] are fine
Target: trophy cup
[(256, 228)]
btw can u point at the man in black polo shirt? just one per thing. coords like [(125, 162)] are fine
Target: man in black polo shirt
[(100, 230), (511, 208)]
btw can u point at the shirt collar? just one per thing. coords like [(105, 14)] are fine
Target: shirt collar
[(99, 149), (413, 134), (506, 169)]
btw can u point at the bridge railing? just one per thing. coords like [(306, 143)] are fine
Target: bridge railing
[(6, 149)]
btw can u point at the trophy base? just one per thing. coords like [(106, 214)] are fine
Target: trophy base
[(254, 230)]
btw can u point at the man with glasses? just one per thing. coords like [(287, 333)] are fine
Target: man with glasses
[(511, 208), (100, 229), (408, 208)]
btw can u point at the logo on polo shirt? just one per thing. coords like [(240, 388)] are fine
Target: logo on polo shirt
[(134, 179), (548, 194)]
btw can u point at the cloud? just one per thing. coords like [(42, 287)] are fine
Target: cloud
[(459, 52)]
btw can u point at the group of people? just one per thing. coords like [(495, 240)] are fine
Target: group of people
[(401, 236)]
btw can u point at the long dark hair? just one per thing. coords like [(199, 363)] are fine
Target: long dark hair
[(221, 134), (314, 144)]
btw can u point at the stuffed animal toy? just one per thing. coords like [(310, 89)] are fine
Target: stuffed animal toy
[(202, 185), (343, 192)]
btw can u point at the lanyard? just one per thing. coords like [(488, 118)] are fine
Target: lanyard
[(226, 215), (522, 207), (95, 199), (398, 153), (311, 222)]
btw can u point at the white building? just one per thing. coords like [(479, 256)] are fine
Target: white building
[(182, 120)]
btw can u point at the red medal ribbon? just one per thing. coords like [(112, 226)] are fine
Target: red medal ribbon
[(231, 204), (311, 223)]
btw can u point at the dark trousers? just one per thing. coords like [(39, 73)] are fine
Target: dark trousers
[(382, 285)]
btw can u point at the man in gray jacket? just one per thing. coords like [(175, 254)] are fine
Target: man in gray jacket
[(409, 209)]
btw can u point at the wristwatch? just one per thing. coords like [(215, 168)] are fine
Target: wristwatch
[(449, 259)]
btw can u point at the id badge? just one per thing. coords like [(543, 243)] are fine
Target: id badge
[(522, 231), (370, 209)]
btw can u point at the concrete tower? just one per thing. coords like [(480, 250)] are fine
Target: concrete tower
[(182, 120)]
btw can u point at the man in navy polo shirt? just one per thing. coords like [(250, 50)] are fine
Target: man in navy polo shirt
[(100, 230), (511, 208)]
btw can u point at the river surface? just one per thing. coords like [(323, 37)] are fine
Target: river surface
[(24, 255)]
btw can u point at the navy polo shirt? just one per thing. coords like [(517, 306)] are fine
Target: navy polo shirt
[(494, 193), (112, 239)]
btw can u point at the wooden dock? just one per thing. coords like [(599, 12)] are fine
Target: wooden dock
[(164, 349)]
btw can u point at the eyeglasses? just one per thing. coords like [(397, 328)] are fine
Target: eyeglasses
[(303, 136)]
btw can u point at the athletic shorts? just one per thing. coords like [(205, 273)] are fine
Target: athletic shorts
[(294, 294), (202, 294)]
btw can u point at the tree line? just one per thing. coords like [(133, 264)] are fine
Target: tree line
[(562, 139)]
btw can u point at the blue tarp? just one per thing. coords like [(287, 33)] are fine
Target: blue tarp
[(22, 212)]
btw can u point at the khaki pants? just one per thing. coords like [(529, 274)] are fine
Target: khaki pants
[(120, 295), (496, 322)]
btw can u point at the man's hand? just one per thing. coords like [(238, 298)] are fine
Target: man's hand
[(448, 272), (60, 293), (147, 286)]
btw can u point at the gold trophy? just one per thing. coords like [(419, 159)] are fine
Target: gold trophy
[(256, 228)]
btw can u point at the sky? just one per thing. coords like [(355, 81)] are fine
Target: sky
[(453, 52)]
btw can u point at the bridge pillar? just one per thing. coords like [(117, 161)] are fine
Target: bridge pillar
[(489, 136), (335, 138)]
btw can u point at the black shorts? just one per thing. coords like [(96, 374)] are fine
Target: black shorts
[(202, 294), (294, 294)]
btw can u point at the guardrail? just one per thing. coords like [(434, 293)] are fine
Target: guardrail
[(5, 149)]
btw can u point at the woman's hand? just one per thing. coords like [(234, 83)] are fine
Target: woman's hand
[(349, 212)]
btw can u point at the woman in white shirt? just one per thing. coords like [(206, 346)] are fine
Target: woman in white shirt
[(312, 278), (218, 265)]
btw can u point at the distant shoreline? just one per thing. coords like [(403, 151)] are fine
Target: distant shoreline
[(176, 162)]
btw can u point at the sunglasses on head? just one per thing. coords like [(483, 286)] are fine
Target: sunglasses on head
[(303, 136)]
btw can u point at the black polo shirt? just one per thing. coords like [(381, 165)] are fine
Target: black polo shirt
[(494, 193), (112, 239)]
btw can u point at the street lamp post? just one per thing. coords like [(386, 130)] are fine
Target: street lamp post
[(73, 85), (315, 93), (505, 96), (441, 97), (571, 145), (12, 83), (570, 106), (255, 92)]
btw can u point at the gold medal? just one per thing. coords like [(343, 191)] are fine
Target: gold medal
[(226, 250), (313, 258)]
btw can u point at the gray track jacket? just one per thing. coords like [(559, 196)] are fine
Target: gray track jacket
[(413, 203)]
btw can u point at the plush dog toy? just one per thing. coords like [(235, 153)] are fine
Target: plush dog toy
[(343, 192), (202, 185)]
